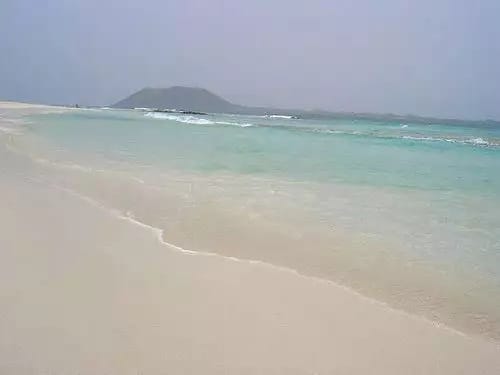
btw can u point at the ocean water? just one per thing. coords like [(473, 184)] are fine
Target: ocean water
[(406, 213)]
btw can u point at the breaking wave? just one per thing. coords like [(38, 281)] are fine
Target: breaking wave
[(244, 125), (279, 116), (189, 119), (468, 141)]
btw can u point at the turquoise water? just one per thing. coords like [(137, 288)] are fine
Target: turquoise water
[(453, 169), (428, 157), (418, 204)]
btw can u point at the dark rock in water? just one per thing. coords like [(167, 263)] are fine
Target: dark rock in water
[(193, 113), (176, 111), (165, 110)]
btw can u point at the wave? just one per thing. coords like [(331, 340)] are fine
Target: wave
[(279, 116), (474, 141), (188, 119), (468, 141), (289, 117), (478, 141), (145, 109), (244, 125)]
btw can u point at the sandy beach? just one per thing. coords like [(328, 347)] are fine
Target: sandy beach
[(85, 290)]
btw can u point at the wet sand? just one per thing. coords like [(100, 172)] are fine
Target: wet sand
[(84, 291)]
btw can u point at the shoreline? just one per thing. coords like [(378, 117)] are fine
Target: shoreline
[(129, 264), (159, 235), (375, 266)]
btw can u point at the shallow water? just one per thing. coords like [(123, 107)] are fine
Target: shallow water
[(408, 213)]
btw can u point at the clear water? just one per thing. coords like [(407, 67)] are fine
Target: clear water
[(427, 157), (419, 204)]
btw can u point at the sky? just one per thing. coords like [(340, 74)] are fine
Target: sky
[(435, 58)]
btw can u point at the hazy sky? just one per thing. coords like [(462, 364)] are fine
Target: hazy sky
[(430, 57)]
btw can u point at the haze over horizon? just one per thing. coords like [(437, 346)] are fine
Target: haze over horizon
[(430, 58)]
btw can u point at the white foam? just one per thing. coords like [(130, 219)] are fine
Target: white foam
[(143, 109), (187, 119), (413, 138), (244, 125), (472, 141), (478, 141), (279, 116)]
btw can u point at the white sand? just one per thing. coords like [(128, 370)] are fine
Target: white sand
[(84, 292)]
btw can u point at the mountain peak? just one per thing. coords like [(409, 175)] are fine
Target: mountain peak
[(178, 97)]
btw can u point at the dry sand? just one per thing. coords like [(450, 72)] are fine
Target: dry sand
[(83, 291)]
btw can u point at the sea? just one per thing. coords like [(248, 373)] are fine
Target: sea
[(404, 213)]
